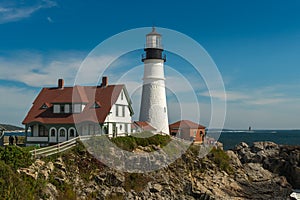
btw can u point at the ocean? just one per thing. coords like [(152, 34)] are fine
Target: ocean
[(13, 133), (230, 138)]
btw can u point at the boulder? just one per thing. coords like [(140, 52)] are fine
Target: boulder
[(234, 160), (257, 173), (155, 187)]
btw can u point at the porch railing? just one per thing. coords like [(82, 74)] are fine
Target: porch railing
[(58, 148)]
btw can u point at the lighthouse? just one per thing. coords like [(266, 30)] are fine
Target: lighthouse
[(154, 104)]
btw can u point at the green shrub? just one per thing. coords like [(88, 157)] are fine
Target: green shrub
[(129, 143), (221, 159), (16, 186), (136, 181), (16, 157)]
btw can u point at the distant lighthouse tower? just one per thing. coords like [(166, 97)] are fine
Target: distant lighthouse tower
[(154, 104)]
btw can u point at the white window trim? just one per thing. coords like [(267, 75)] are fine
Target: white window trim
[(50, 130), (69, 132), (58, 132)]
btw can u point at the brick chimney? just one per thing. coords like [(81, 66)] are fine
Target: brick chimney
[(61, 83), (104, 81)]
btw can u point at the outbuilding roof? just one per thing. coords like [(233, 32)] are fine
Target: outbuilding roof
[(182, 124)]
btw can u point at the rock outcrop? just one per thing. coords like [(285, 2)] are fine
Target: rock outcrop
[(243, 173), (280, 159)]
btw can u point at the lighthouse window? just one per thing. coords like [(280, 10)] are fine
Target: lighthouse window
[(158, 42)]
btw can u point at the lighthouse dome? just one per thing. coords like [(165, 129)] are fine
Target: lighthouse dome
[(153, 40)]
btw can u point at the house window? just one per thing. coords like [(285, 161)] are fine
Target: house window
[(123, 111), (117, 110), (97, 129), (77, 108), (44, 106), (52, 133), (62, 133), (67, 108), (122, 95), (56, 109), (62, 108), (92, 129), (121, 127), (126, 128), (95, 105), (72, 133), (43, 132), (120, 110), (195, 132)]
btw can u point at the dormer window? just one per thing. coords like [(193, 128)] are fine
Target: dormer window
[(68, 108), (96, 105), (62, 108), (56, 108), (44, 106)]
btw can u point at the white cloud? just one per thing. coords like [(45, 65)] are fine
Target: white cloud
[(15, 11), (15, 103), (257, 96), (35, 69)]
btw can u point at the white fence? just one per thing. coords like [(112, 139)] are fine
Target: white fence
[(58, 148)]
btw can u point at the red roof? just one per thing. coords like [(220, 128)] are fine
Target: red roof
[(76, 94), (182, 124), (88, 95), (144, 125)]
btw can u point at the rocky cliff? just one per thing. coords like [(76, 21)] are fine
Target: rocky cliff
[(256, 172), (280, 159)]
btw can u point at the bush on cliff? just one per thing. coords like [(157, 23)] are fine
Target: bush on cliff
[(221, 159), (16, 186), (16, 157), (129, 143)]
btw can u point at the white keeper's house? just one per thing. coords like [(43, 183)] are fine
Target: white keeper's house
[(62, 113)]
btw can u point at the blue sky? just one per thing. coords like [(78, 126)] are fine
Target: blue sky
[(255, 45)]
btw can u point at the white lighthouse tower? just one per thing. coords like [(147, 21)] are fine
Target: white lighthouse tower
[(154, 104)]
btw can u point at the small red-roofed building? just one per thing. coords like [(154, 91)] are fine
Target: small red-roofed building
[(62, 113), (188, 130)]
